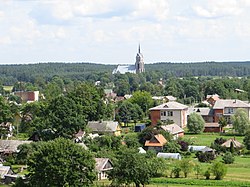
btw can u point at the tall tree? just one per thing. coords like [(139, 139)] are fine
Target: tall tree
[(241, 121), (61, 163), (195, 123)]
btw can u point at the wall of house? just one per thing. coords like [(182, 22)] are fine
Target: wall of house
[(217, 114), (155, 115), (212, 129)]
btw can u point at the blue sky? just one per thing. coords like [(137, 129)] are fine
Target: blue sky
[(108, 31)]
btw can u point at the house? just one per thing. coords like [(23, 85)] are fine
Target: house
[(232, 142), (102, 166), (174, 111), (105, 127), (174, 129), (139, 127), (28, 96), (176, 156), (198, 148), (212, 127), (206, 113), (228, 107), (5, 170), (109, 93), (211, 99), (10, 146), (156, 143), (164, 99)]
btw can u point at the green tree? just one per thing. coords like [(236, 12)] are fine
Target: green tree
[(132, 140), (143, 99), (195, 123), (246, 140), (131, 167), (222, 122), (63, 117), (240, 121), (219, 170), (5, 111), (61, 163), (228, 158), (186, 166)]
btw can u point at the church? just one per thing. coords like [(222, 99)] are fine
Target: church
[(137, 68)]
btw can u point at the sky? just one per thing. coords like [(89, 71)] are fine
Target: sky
[(109, 31)]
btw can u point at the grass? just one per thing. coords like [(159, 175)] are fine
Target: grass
[(207, 138)]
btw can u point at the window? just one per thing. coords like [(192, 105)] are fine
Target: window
[(230, 110), (170, 113), (163, 113)]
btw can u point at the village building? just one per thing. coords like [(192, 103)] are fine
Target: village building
[(105, 127), (156, 143), (172, 111), (102, 166), (174, 130), (28, 96)]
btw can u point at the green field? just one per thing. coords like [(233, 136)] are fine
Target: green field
[(207, 138)]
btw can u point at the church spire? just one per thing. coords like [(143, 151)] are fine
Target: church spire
[(139, 49)]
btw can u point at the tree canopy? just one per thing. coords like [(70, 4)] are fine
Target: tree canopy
[(61, 163), (195, 123), (241, 121)]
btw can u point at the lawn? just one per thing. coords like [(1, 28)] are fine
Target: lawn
[(207, 138)]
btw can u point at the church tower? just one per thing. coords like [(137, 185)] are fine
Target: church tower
[(139, 64)]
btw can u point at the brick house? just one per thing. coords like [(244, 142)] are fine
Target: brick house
[(174, 111)]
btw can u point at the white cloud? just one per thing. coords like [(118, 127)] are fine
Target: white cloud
[(5, 40)]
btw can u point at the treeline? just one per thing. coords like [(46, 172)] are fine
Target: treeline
[(10, 74)]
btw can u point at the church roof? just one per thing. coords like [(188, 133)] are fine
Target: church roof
[(122, 69)]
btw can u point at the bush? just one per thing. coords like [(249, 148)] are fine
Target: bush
[(207, 173), (183, 144), (176, 172), (219, 170), (228, 158), (205, 157)]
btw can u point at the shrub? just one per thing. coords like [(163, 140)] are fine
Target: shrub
[(207, 173), (176, 172), (184, 145), (205, 157), (228, 158), (219, 170)]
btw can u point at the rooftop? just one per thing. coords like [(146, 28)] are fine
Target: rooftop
[(232, 103), (170, 105)]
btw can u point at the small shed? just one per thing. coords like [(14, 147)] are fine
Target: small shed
[(169, 155), (140, 127), (102, 166), (233, 142)]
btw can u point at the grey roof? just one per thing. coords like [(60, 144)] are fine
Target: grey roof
[(173, 128), (232, 103), (170, 106), (100, 164), (203, 111), (235, 143), (169, 155), (10, 146), (103, 126), (122, 69)]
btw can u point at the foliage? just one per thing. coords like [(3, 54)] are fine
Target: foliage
[(219, 170), (186, 166), (131, 167), (228, 158), (207, 173), (132, 140), (176, 171), (128, 111), (222, 122), (240, 121), (217, 145), (143, 99), (172, 147), (205, 157), (184, 145), (195, 123), (66, 164), (246, 140)]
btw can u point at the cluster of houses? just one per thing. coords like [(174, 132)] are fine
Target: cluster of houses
[(170, 110)]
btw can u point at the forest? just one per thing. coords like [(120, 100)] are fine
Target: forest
[(9, 74)]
